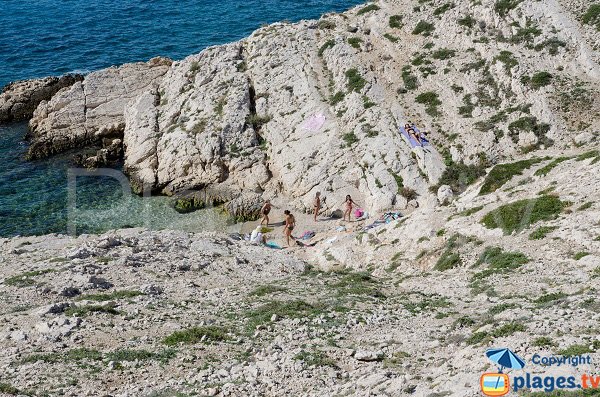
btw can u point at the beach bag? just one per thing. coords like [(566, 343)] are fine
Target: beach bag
[(358, 212)]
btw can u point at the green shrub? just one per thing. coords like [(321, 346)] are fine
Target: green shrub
[(194, 335), (350, 138), (355, 41), (459, 175), (540, 79), (443, 53), (543, 341), (520, 214), (576, 350), (550, 298), (448, 260), (580, 255), (5, 388), (529, 123), (552, 45), (258, 121), (424, 28), (337, 98), (395, 21), (477, 337), (82, 311), (502, 173), (369, 8), (431, 101), (407, 193), (358, 283), (284, 309), (26, 279), (541, 232), (324, 47), (267, 290), (326, 24), (410, 80), (592, 16), (507, 58), (550, 166), (391, 38), (355, 81), (315, 358), (443, 8), (502, 7), (467, 21), (508, 329)]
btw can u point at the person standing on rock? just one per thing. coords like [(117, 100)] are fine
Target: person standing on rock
[(290, 224), (264, 211), (317, 205), (348, 207)]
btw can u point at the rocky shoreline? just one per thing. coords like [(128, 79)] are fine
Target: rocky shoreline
[(494, 239)]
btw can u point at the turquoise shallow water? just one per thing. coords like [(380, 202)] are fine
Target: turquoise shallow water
[(51, 37)]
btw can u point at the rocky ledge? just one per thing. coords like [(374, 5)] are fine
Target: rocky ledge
[(18, 100)]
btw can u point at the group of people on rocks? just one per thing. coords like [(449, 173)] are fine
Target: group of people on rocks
[(289, 222)]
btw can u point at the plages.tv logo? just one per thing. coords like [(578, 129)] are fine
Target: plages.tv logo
[(498, 383)]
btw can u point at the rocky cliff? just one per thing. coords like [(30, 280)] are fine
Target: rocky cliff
[(316, 105)]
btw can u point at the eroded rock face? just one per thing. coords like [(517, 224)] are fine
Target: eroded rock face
[(315, 106), (18, 100), (90, 109)]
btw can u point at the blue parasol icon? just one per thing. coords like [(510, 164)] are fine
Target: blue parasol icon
[(505, 358)]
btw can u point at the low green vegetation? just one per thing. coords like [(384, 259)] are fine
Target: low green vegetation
[(337, 98), (540, 79), (502, 173), (552, 45), (368, 8), (257, 120), (431, 101), (427, 303), (576, 350), (116, 295), (443, 53), (206, 334), (424, 28), (359, 283), (592, 16), (500, 308), (580, 255), (502, 7), (328, 44), (543, 341), (326, 24), (459, 176), (508, 60), (26, 279), (585, 206), (350, 139), (471, 211), (286, 309), (550, 166), (84, 354), (315, 358), (499, 262), (467, 21), (83, 311), (529, 124), (498, 332), (5, 388), (391, 38), (592, 154), (355, 41), (519, 215), (355, 82), (552, 298), (395, 21), (541, 232), (448, 260), (268, 289), (410, 80)]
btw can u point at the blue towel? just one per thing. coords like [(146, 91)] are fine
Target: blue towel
[(411, 140)]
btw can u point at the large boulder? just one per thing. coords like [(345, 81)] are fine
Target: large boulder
[(91, 109)]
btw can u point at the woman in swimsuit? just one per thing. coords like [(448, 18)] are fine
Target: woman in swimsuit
[(317, 205), (348, 203), (266, 208), (290, 223)]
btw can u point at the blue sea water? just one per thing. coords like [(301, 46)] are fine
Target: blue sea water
[(52, 37)]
